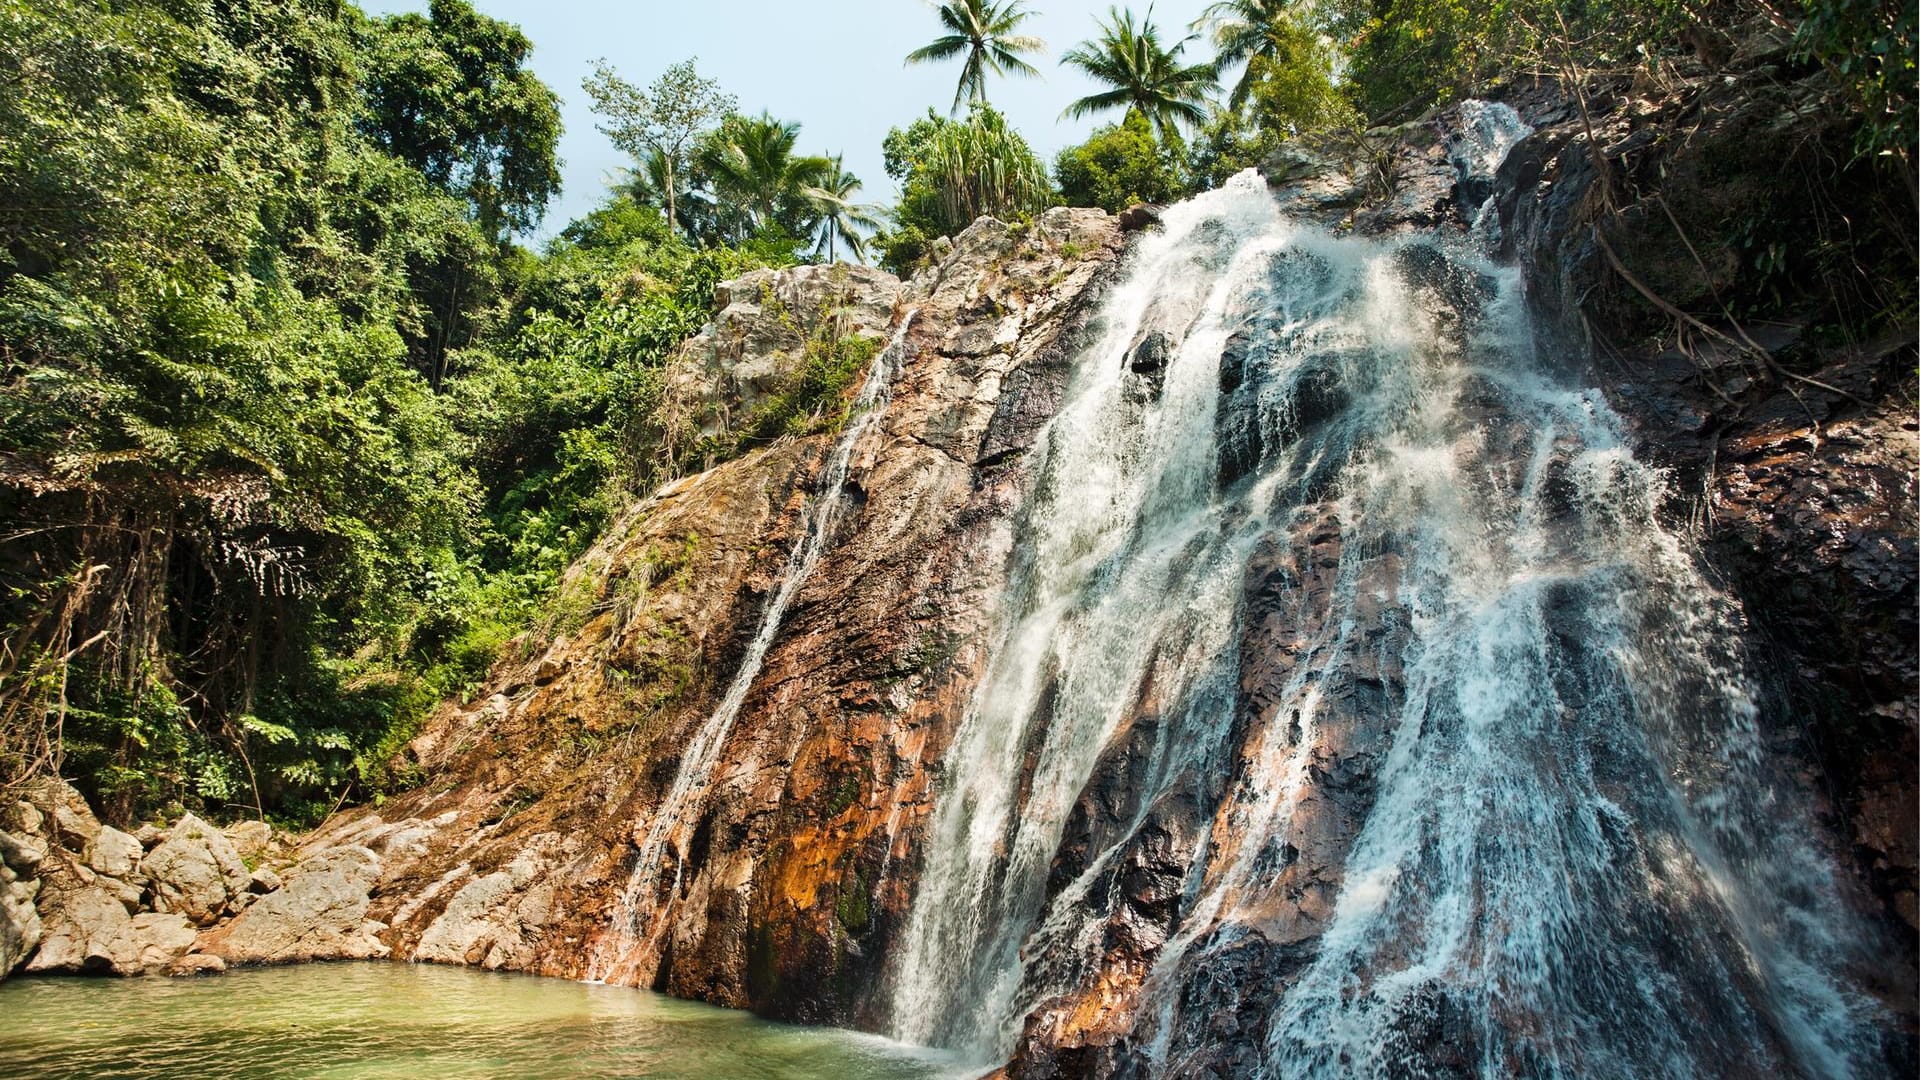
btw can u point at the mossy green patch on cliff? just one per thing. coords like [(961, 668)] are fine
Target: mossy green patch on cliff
[(854, 906), (845, 794), (808, 404)]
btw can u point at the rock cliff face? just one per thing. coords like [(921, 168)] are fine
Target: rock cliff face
[(1201, 867), (518, 848), (1796, 456)]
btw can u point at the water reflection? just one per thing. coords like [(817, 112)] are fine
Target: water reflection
[(397, 1020)]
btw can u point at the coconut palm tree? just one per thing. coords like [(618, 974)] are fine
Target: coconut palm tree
[(840, 217), (1144, 75), (984, 31), (1257, 33), (750, 160)]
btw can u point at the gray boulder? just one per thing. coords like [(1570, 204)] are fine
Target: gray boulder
[(494, 921), (151, 944), (197, 964), (114, 854), (250, 838), (264, 880), (82, 923), (22, 853), (319, 914), (88, 930), (20, 927), (68, 818), (196, 872)]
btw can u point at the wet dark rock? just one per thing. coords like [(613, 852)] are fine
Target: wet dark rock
[(1462, 290), (1805, 494), (1139, 216), (1148, 358)]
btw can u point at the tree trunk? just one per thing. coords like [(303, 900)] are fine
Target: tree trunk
[(672, 207)]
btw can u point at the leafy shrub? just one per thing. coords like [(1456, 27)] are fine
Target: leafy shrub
[(1118, 166)]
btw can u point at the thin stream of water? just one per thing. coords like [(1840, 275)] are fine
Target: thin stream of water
[(633, 945)]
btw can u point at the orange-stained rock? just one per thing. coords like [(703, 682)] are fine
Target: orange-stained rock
[(515, 847)]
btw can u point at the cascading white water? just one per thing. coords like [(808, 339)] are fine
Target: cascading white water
[(636, 936), (1572, 858)]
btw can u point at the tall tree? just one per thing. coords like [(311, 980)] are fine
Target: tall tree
[(751, 160), (1287, 73), (450, 94), (220, 479), (1255, 33), (840, 217), (1144, 75), (984, 32), (659, 125)]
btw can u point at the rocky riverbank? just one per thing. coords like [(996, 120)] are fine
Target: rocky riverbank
[(81, 897)]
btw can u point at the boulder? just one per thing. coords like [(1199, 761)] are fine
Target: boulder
[(494, 920), (23, 819), (132, 896), (250, 838), (197, 964), (20, 927), (149, 836), (196, 872), (81, 925), (151, 944), (22, 853), (264, 881), (319, 914), (114, 853), (88, 930), (1139, 216), (68, 818)]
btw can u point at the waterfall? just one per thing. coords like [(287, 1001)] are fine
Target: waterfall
[(636, 934), (1374, 614)]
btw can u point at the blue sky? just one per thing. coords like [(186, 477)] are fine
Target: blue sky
[(834, 66)]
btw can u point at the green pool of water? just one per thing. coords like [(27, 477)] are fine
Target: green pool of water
[(401, 1020)]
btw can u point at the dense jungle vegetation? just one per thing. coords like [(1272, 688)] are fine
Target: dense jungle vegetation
[(296, 435)]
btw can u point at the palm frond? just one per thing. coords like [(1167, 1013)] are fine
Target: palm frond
[(945, 48)]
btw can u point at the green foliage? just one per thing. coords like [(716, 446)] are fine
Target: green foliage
[(236, 508), (1228, 143), (952, 172), (449, 94), (842, 221), (448, 97), (1405, 55), (811, 400), (723, 179), (660, 125), (559, 412), (1869, 46), (749, 165), (1292, 88), (1118, 166)]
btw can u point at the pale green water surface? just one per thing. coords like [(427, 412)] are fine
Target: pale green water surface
[(400, 1020)]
